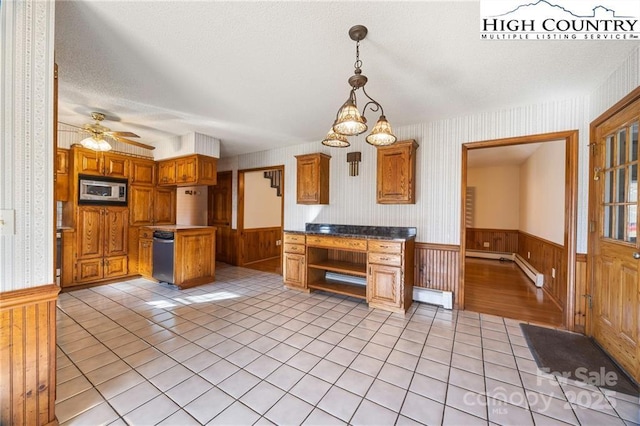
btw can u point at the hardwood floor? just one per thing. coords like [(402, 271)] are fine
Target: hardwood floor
[(273, 265), (501, 288)]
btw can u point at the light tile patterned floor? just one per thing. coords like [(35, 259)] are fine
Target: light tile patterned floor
[(245, 350)]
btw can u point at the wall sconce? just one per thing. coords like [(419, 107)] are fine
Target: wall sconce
[(353, 158)]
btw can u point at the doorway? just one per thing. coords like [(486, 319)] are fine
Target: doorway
[(614, 249), (260, 218), (555, 262)]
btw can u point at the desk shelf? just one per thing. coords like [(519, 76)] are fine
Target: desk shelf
[(358, 291), (351, 268)]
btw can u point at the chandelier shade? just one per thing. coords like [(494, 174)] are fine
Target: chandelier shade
[(349, 121), (381, 134), (335, 140), (96, 143)]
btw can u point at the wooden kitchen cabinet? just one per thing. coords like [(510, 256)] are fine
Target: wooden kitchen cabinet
[(390, 280), (101, 243), (293, 261), (164, 206), (145, 253), (187, 171), (141, 205), (396, 173), (87, 161), (62, 175), (143, 172), (312, 183)]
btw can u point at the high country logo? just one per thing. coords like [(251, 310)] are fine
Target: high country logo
[(543, 20)]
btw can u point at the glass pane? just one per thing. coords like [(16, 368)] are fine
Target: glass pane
[(622, 146), (607, 232), (609, 152), (633, 146), (631, 223), (621, 188), (608, 186), (620, 223), (632, 195)]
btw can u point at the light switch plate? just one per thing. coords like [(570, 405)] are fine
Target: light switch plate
[(7, 222)]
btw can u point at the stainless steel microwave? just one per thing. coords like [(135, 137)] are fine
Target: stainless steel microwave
[(100, 190)]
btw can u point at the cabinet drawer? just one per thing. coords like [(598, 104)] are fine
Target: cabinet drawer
[(294, 248), (383, 246), (294, 238), (385, 259), (145, 233), (337, 243)]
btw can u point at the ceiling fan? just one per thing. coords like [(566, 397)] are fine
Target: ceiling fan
[(99, 133)]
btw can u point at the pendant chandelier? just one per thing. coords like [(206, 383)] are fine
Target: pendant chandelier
[(349, 122)]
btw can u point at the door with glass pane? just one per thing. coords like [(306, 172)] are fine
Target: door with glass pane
[(616, 248)]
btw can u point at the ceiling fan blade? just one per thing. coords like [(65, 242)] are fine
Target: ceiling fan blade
[(135, 143), (122, 134)]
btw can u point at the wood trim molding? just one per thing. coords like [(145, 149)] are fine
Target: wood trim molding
[(28, 296), (571, 207)]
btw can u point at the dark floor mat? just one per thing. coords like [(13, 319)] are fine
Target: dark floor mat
[(577, 357)]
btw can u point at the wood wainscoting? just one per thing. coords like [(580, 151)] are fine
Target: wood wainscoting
[(259, 244), (438, 267), (499, 240), (545, 257), (582, 291), (28, 356)]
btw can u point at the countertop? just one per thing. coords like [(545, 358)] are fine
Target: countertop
[(358, 231), (178, 227)]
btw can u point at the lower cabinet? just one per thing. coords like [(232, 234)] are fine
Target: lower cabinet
[(384, 287), (145, 257), (293, 270), (95, 269)]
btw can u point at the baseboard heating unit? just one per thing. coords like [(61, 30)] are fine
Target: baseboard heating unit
[(433, 297), (348, 279), (530, 271), (490, 255)]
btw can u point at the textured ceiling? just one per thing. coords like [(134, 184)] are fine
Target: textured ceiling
[(259, 75)]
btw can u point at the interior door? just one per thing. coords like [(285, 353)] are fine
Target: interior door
[(616, 251), (220, 215)]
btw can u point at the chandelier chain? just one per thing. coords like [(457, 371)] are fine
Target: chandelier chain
[(358, 64)]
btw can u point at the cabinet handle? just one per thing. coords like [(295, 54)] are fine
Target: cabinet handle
[(384, 258), (369, 270)]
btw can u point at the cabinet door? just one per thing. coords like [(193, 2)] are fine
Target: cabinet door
[(90, 232), (143, 172), (145, 257), (116, 231), (396, 170), (293, 269), (207, 170), (384, 287), (167, 172), (115, 165), (115, 266), (165, 206), (186, 170), (141, 205), (62, 175), (87, 161), (195, 256), (89, 269)]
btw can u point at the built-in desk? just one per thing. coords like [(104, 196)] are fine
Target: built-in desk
[(370, 263)]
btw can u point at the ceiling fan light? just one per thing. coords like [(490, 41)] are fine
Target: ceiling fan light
[(381, 135), (95, 144), (335, 140), (349, 121)]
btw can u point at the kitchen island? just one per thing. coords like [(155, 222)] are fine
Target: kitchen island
[(194, 250), (372, 263)]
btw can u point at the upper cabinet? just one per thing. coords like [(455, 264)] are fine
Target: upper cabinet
[(143, 172), (87, 161), (188, 171), (397, 173), (313, 178)]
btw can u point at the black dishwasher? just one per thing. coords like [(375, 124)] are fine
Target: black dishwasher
[(163, 243)]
